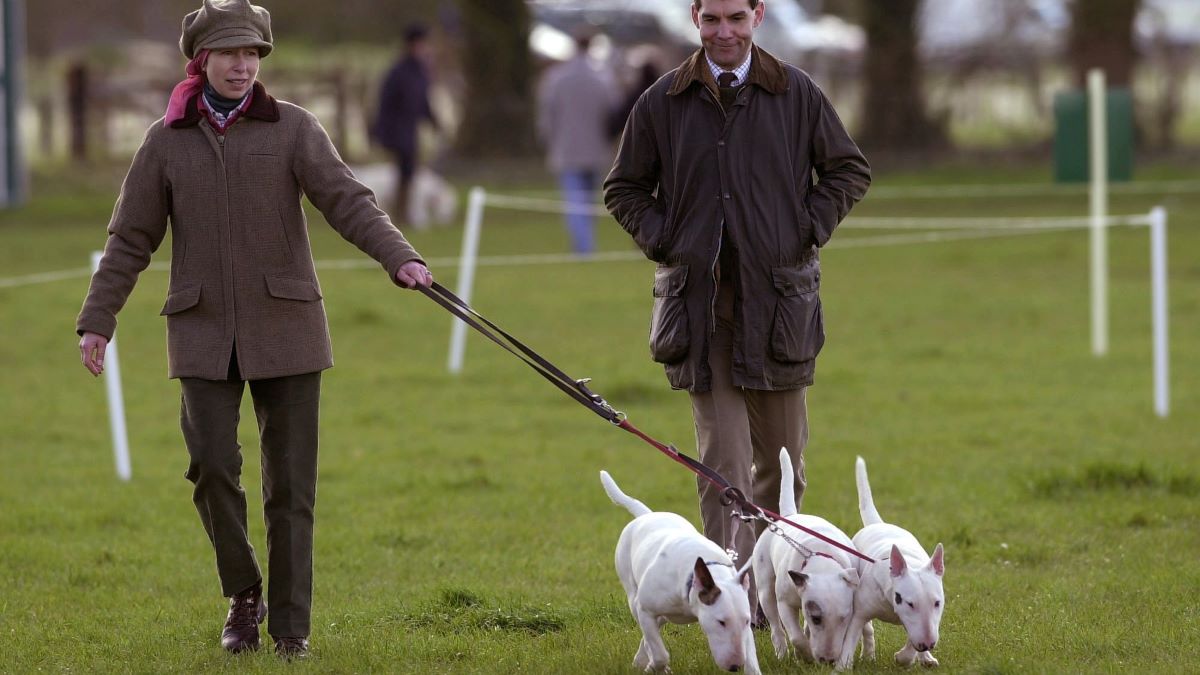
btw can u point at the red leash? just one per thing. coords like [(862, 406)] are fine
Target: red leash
[(578, 390)]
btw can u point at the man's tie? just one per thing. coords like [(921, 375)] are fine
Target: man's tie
[(726, 89)]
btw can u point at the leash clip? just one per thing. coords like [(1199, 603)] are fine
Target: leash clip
[(744, 510), (615, 417)]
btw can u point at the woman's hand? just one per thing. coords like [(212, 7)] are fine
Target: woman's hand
[(91, 347), (414, 273)]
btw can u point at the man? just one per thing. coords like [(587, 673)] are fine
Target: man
[(575, 101), (715, 183), (403, 104), (227, 167)]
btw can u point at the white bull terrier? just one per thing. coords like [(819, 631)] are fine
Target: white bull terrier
[(820, 587), (672, 573), (903, 586)]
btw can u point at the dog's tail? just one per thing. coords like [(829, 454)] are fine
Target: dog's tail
[(787, 485), (866, 505), (620, 498)]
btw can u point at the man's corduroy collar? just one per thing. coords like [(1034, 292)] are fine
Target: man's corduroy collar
[(765, 70), (262, 107)]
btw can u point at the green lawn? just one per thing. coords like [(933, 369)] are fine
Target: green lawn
[(461, 523)]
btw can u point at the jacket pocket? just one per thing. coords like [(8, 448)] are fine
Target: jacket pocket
[(181, 299), (798, 332), (292, 289), (669, 338)]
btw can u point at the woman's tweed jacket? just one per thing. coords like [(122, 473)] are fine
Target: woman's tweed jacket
[(241, 265)]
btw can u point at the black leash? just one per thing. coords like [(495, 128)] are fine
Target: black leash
[(578, 390)]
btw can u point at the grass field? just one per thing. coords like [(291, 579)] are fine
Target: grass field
[(461, 524)]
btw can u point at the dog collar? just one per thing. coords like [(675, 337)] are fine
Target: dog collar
[(687, 586)]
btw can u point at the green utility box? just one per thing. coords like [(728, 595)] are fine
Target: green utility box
[(1071, 160)]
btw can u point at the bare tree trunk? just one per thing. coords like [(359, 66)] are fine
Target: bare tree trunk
[(498, 114), (1102, 37), (1175, 65), (895, 116), (77, 110)]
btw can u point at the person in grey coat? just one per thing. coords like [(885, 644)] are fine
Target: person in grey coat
[(732, 172), (225, 170), (575, 103)]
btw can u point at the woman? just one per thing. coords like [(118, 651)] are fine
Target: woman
[(227, 166)]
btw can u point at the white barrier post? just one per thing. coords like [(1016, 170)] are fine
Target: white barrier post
[(1158, 300), (1098, 152), (466, 273), (116, 400)]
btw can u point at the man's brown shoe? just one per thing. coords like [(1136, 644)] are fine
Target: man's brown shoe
[(246, 610), (288, 648)]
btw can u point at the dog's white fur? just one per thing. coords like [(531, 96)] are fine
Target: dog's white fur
[(903, 586), (672, 573), (820, 588)]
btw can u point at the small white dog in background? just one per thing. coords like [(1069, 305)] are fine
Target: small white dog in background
[(903, 586), (819, 588), (673, 574), (431, 200)]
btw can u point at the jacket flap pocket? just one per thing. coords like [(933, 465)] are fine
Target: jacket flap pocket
[(292, 289), (669, 282), (179, 299), (797, 280)]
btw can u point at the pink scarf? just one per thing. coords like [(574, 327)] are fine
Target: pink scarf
[(189, 87)]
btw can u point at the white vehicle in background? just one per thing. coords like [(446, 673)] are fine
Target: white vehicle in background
[(996, 32), (821, 44), (1175, 23)]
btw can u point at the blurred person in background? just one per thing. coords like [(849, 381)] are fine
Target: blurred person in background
[(647, 74), (227, 167), (403, 105), (732, 171), (575, 102)]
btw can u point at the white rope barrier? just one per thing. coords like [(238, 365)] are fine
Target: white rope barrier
[(974, 191), (989, 227), (915, 192), (936, 237), (541, 205), (955, 223)]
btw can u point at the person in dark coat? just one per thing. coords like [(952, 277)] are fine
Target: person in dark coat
[(647, 74), (732, 172), (403, 105)]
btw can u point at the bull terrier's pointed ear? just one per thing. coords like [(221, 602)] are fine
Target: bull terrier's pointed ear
[(798, 578), (899, 566), (850, 576), (743, 575), (937, 563), (703, 576), (705, 585)]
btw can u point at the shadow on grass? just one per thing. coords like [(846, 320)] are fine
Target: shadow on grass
[(463, 611), (1109, 477)]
